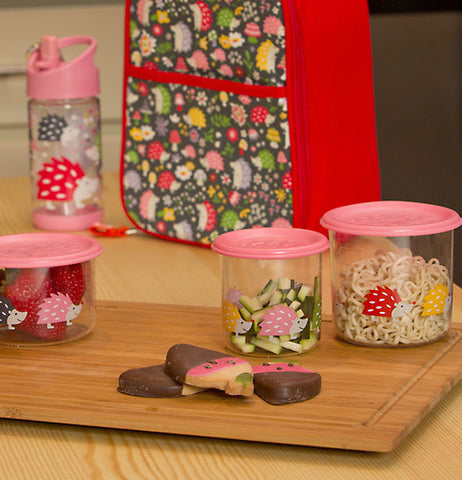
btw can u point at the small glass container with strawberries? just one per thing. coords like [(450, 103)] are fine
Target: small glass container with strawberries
[(271, 289), (47, 289)]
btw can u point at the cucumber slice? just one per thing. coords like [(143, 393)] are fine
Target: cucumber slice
[(283, 338), (239, 342), (304, 291), (251, 304), (308, 343), (315, 319), (294, 346), (258, 314), (266, 345), (245, 347), (284, 284), (265, 295), (276, 298), (245, 314), (237, 339), (291, 295), (295, 304)]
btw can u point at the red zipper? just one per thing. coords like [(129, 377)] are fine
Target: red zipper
[(297, 111)]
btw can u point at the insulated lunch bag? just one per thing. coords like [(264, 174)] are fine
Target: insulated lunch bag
[(245, 113)]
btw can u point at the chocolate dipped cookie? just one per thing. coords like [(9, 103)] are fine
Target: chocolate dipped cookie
[(281, 383), (153, 382), (200, 367)]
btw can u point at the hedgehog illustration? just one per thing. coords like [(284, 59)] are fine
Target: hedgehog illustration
[(202, 16), (437, 301), (232, 320), (233, 296), (195, 118), (266, 56), (198, 61), (385, 302), (64, 181), (207, 216), (182, 37), (9, 315), (282, 320), (142, 11), (242, 174), (57, 308), (163, 100), (51, 127)]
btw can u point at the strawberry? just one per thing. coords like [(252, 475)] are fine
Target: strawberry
[(69, 280), (29, 288)]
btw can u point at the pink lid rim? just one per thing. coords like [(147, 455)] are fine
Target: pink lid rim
[(86, 249), (270, 243), (390, 217)]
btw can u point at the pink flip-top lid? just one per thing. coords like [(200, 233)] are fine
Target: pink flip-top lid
[(270, 242), (391, 218), (34, 250), (49, 77)]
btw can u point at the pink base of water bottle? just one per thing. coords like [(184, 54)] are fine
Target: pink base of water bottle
[(46, 219)]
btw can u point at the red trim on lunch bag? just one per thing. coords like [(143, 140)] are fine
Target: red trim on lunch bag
[(297, 114), (204, 82), (340, 105)]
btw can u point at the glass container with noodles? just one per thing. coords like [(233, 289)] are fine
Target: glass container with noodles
[(391, 270)]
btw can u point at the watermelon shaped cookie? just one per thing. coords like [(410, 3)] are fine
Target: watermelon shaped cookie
[(199, 367), (281, 383)]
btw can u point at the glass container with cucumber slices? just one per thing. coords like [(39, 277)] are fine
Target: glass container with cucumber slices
[(271, 289)]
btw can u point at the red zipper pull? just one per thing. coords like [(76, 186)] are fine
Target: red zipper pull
[(105, 230)]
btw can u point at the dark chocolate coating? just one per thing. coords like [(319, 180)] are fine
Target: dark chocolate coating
[(181, 358), (279, 388), (149, 382)]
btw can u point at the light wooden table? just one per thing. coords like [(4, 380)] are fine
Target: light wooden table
[(143, 269)]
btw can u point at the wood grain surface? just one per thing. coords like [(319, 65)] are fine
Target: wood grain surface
[(371, 398)]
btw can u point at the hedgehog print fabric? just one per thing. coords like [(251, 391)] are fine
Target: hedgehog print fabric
[(205, 152)]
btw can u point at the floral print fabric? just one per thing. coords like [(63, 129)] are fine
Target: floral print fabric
[(202, 161), (239, 40)]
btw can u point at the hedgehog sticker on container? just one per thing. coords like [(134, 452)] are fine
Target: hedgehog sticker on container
[(437, 301), (385, 302), (282, 320), (9, 315), (57, 308)]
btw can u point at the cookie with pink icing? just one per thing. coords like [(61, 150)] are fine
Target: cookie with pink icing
[(200, 367), (281, 383)]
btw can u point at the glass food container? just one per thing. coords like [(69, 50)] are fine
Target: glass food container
[(391, 271), (47, 289), (271, 289)]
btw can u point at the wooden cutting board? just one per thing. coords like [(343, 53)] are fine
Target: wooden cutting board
[(370, 400)]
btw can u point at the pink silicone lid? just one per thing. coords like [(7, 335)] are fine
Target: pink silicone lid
[(270, 243), (32, 250), (49, 77), (391, 219)]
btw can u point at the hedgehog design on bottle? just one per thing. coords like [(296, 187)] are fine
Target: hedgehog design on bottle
[(9, 315), (282, 320), (57, 308), (437, 301), (385, 302), (64, 181)]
